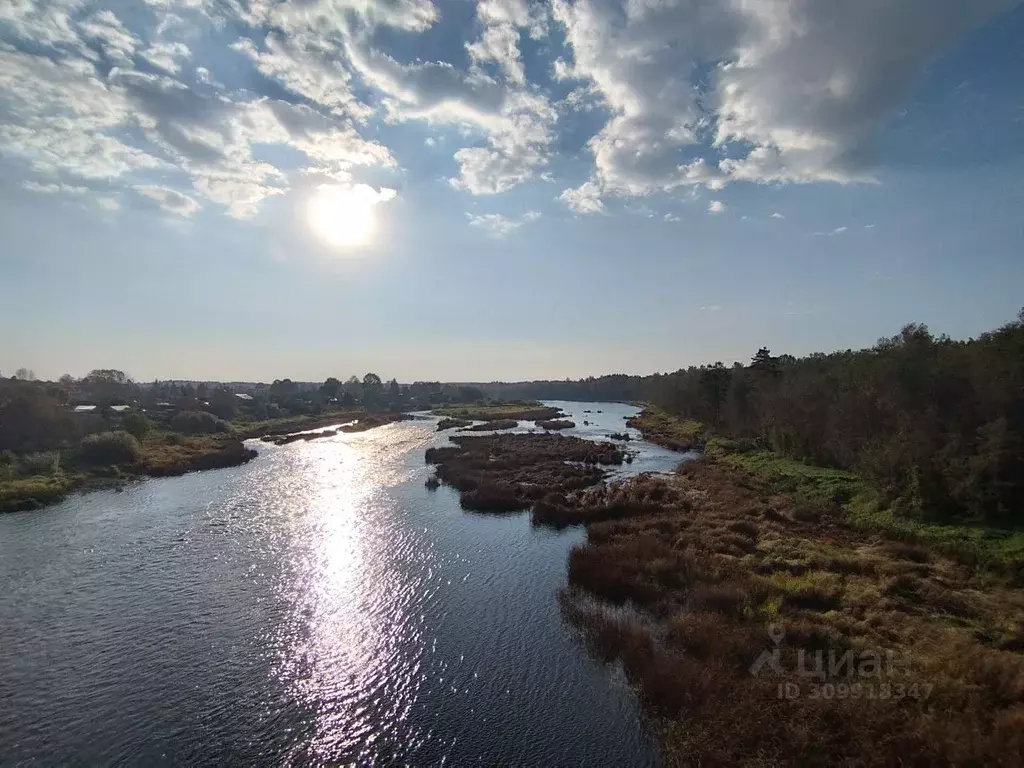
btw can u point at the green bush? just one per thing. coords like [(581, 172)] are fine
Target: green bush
[(45, 463), (136, 425), (198, 423), (108, 448)]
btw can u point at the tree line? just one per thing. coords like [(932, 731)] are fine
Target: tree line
[(936, 423)]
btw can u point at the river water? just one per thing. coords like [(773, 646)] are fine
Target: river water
[(317, 605)]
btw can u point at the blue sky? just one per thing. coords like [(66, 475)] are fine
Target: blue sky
[(253, 189)]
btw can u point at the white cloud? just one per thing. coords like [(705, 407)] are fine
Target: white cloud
[(108, 204), (585, 198), (671, 217), (494, 224), (106, 29), (499, 226), (830, 233), (166, 56), (54, 189), (869, 226), (170, 199), (688, 94), (777, 215), (500, 44), (797, 89), (716, 206), (301, 67)]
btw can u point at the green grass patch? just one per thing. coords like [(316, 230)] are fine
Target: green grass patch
[(668, 431), (34, 492), (1001, 549)]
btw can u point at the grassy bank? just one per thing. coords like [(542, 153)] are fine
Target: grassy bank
[(524, 411), (687, 579), (272, 427), (662, 429), (160, 454)]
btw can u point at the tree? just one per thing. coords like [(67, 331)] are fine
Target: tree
[(763, 361), (372, 387), (25, 374), (136, 425), (470, 394), (330, 388), (283, 389)]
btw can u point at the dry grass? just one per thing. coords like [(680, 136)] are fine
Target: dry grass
[(555, 424), (523, 411), (494, 424), (167, 455), (667, 431), (444, 424), (505, 472), (710, 559)]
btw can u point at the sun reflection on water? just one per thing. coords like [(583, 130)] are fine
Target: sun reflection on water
[(354, 619)]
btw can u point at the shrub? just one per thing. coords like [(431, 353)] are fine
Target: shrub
[(198, 423), (136, 425), (107, 448), (45, 463)]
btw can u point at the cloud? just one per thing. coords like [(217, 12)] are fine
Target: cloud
[(777, 215), (584, 198), (108, 204), (671, 217), (232, 102), (716, 206), (166, 56), (830, 233), (795, 90), (498, 226), (54, 189), (170, 200)]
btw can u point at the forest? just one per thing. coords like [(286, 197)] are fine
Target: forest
[(937, 424)]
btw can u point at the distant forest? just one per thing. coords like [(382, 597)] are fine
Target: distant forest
[(937, 424)]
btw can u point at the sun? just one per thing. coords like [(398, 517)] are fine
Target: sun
[(343, 216)]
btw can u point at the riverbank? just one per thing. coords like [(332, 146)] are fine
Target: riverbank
[(772, 612), (522, 411), (28, 483), (882, 640), (364, 422), (161, 454), (663, 429)]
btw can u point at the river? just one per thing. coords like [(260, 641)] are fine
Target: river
[(317, 605)]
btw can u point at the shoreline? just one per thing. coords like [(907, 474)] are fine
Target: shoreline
[(172, 454), (687, 579)]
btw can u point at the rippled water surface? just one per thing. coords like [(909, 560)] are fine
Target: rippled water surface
[(317, 605)]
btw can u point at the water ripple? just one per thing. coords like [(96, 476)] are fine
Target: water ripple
[(316, 606)]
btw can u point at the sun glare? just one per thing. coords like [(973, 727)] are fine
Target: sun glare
[(344, 216)]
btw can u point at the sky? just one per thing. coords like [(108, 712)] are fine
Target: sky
[(499, 189)]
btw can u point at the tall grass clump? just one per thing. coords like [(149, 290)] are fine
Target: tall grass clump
[(110, 448)]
